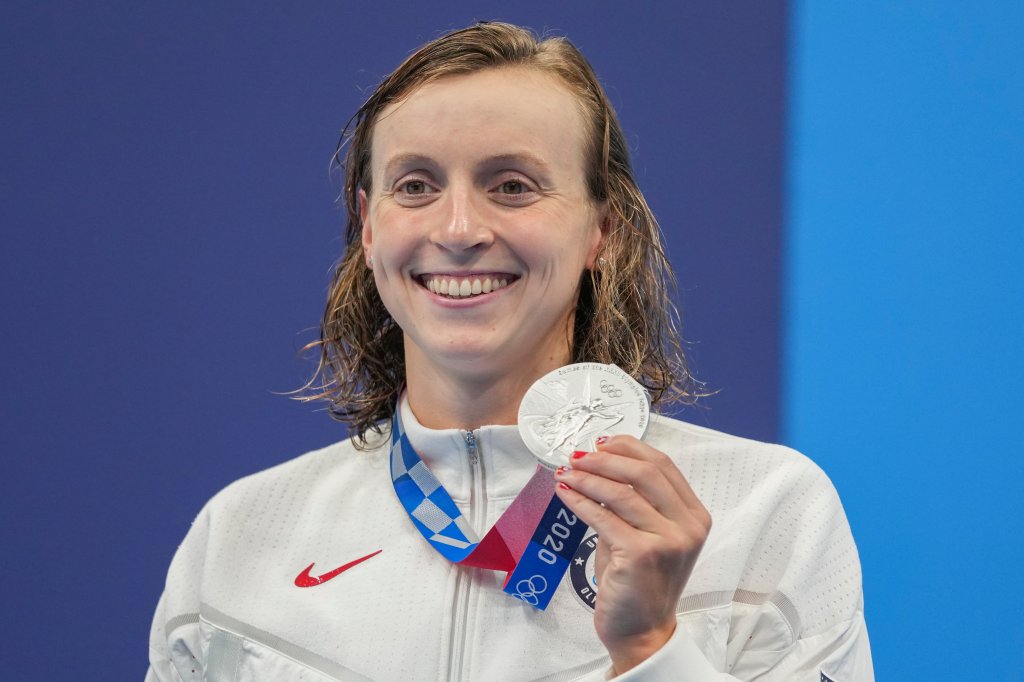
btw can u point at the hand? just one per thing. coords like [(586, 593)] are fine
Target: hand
[(651, 527)]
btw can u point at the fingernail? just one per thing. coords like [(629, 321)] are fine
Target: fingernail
[(563, 486), (578, 454), (601, 440), (561, 471)]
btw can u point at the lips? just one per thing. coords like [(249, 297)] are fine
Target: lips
[(465, 286)]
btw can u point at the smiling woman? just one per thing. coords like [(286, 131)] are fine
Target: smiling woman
[(503, 299), (623, 311)]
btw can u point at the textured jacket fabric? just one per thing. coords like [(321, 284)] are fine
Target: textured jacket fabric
[(775, 595)]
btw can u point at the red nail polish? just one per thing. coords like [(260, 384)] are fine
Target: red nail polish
[(602, 439), (561, 471), (563, 486), (578, 454)]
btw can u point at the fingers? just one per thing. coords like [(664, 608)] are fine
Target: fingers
[(635, 489), (638, 484), (602, 519), (623, 518), (635, 449)]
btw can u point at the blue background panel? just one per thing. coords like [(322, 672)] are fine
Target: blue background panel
[(169, 227), (903, 314)]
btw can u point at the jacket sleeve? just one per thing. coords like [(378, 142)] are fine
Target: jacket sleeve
[(175, 644), (840, 655), (818, 636)]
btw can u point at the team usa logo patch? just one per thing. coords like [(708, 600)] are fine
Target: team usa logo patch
[(582, 575)]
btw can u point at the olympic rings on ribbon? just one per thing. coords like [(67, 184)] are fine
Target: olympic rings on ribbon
[(529, 589)]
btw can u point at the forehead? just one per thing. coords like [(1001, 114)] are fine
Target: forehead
[(494, 112)]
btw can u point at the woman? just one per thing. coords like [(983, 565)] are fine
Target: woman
[(496, 234)]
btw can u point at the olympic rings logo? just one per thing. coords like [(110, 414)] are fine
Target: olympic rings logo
[(610, 390), (531, 589)]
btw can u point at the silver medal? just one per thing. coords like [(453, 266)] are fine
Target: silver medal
[(568, 409)]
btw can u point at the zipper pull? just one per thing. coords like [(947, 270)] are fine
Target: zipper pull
[(471, 446)]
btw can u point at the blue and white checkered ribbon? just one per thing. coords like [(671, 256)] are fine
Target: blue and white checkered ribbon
[(532, 576), (429, 505)]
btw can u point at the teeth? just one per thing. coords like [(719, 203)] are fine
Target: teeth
[(463, 287)]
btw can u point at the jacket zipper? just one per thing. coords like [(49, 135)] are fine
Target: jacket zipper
[(463, 577)]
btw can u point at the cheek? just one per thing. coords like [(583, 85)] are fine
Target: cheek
[(392, 242), (575, 249), (564, 238)]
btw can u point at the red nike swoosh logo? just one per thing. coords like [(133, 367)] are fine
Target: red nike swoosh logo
[(304, 579)]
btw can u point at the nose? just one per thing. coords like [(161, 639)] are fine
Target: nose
[(463, 227)]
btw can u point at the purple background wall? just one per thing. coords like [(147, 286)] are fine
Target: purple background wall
[(168, 227)]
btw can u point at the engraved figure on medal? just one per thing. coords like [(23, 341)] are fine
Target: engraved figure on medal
[(575, 422), (567, 409)]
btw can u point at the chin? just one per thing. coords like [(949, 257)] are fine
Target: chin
[(469, 357), (472, 352)]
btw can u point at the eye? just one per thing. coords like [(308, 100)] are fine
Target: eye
[(513, 187), (413, 187), (514, 191), (414, 192)]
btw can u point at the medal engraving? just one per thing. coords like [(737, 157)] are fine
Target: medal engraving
[(568, 409)]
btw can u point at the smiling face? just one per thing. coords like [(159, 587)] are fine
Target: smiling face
[(480, 225)]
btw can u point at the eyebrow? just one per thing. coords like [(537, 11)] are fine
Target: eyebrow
[(406, 160), (523, 156), (414, 160)]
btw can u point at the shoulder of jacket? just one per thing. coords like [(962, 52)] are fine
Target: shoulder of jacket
[(665, 429), (741, 464), (304, 469)]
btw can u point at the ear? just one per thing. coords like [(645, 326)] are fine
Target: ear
[(602, 224), (364, 219)]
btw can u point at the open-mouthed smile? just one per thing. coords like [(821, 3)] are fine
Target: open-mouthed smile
[(464, 286)]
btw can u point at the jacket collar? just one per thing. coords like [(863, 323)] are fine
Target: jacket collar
[(503, 463)]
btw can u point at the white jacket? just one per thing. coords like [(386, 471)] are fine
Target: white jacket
[(775, 595)]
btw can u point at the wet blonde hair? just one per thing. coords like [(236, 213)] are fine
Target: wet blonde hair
[(624, 316)]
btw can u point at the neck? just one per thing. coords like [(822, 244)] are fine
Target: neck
[(443, 399)]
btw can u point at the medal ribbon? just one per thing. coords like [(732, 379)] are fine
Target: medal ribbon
[(533, 541)]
